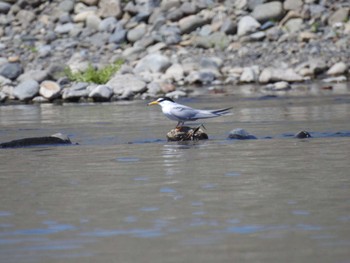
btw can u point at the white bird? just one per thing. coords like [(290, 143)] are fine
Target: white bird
[(182, 113)]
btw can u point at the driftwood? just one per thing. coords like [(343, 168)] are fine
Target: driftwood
[(185, 133)]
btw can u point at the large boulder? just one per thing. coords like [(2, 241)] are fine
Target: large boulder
[(126, 83), (26, 90)]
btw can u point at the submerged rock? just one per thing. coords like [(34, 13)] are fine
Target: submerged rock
[(186, 133), (241, 134), (302, 135), (57, 138)]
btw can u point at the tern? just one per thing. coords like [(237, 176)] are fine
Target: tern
[(182, 113)]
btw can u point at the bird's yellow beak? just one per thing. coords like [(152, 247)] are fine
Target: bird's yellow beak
[(153, 103)]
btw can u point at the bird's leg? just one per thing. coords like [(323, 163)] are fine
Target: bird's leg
[(179, 125)]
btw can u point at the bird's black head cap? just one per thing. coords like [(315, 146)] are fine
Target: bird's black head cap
[(165, 98)]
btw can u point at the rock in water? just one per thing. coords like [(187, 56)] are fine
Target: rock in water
[(302, 135), (186, 133), (54, 139), (240, 134)]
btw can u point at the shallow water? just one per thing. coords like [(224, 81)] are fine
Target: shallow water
[(126, 195)]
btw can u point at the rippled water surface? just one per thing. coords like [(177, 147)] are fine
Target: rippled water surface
[(125, 194)]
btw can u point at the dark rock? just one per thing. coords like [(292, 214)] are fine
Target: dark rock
[(240, 134), (302, 135), (55, 139), (4, 8), (11, 70), (186, 133)]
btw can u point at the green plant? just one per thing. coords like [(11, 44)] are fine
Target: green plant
[(315, 27), (91, 74)]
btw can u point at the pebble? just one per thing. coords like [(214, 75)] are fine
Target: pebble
[(247, 25), (136, 33)]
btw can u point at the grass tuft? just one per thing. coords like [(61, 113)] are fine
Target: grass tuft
[(93, 75)]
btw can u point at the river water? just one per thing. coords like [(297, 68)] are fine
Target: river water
[(125, 194)]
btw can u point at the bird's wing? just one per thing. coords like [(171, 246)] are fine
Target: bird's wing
[(187, 113), (184, 113)]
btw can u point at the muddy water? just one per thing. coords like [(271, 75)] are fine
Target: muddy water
[(126, 195)]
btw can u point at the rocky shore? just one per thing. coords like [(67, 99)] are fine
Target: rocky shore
[(167, 46)]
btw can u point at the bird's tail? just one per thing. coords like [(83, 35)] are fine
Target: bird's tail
[(220, 112)]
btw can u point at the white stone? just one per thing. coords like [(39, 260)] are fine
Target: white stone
[(337, 69), (49, 89), (247, 25)]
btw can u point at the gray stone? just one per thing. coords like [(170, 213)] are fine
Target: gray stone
[(270, 10), (123, 83), (254, 3), (101, 93), (26, 90), (136, 33), (294, 25), (37, 75), (93, 22), (249, 74), (108, 24), (229, 27), (339, 16), (189, 8), (153, 89), (247, 25), (3, 96), (119, 36), (337, 69), (44, 51), (153, 63), (4, 8), (108, 8), (11, 70), (274, 75), (240, 134), (190, 23), (64, 29), (175, 72), (293, 5), (72, 94), (4, 81), (169, 4), (25, 17), (66, 6), (49, 89)]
